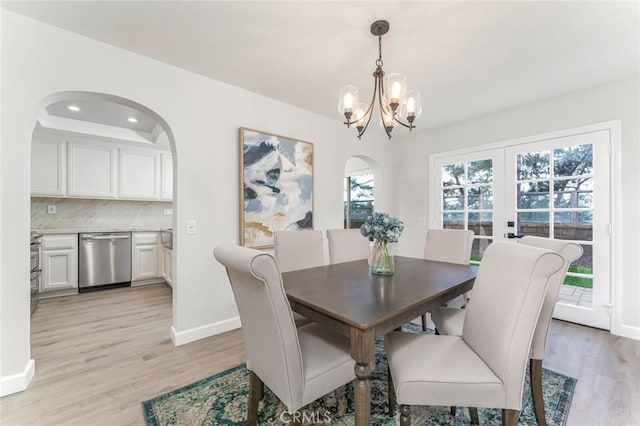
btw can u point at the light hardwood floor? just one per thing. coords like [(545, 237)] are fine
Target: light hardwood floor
[(98, 355)]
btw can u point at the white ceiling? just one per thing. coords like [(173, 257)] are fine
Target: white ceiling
[(467, 59), (103, 112)]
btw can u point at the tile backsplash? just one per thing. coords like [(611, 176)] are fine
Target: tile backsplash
[(74, 213)]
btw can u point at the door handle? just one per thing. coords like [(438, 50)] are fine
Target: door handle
[(107, 237), (512, 235)]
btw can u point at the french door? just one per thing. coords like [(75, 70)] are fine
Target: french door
[(556, 188)]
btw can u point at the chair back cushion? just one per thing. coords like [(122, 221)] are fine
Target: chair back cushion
[(507, 297), (570, 252), (298, 250), (346, 245), (270, 337), (448, 245)]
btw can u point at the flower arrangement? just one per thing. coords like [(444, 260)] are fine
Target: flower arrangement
[(383, 227)]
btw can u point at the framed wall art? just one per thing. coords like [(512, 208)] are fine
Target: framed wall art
[(276, 178)]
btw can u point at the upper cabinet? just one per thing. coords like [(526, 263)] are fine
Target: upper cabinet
[(48, 168), (139, 175), (166, 192), (100, 170), (92, 170)]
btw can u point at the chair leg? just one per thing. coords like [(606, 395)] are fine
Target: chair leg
[(453, 410), (255, 386), (535, 372), (424, 322), (391, 392), (473, 413), (510, 417), (405, 415)]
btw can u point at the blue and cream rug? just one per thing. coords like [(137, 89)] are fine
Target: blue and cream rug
[(222, 400)]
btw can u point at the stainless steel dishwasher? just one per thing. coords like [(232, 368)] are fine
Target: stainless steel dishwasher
[(104, 260)]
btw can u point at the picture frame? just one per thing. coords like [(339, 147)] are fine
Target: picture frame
[(276, 186)]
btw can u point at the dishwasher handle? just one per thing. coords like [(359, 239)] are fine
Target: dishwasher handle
[(106, 237)]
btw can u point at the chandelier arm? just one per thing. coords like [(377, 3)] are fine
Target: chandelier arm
[(369, 112), (382, 109), (408, 126)]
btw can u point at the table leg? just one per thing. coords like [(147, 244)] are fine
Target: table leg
[(363, 352)]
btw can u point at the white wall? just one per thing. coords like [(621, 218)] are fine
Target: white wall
[(204, 115), (617, 100)]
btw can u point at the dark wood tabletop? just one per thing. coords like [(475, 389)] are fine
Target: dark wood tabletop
[(349, 299)]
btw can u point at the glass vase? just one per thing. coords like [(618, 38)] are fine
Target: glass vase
[(382, 260)]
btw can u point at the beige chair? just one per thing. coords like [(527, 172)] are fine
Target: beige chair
[(448, 245), (346, 245), (298, 250), (485, 366), (298, 364), (450, 321)]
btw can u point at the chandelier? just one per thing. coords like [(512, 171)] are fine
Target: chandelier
[(396, 103)]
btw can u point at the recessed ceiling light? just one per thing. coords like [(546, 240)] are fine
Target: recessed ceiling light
[(73, 108), (132, 120)]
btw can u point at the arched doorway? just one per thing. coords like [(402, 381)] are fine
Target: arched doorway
[(359, 191)]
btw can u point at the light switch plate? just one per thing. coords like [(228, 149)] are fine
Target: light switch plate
[(51, 209), (191, 226)]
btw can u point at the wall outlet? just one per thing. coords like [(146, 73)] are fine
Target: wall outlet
[(191, 226), (167, 212), (51, 209), (422, 221)]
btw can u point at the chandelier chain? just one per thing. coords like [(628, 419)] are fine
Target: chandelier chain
[(379, 62)]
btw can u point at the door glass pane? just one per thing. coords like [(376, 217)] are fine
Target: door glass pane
[(480, 197), (453, 220), (573, 160), (480, 171), (478, 248), (453, 174), (573, 193), (533, 223), (573, 226), (481, 223), (533, 195), (533, 165), (584, 265), (453, 199)]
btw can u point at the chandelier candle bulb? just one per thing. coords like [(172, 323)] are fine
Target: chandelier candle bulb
[(348, 101)]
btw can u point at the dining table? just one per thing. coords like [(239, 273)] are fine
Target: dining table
[(348, 299)]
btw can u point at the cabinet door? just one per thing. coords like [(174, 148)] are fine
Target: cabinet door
[(59, 269), (166, 192), (139, 175), (145, 262), (166, 265), (48, 167), (92, 170)]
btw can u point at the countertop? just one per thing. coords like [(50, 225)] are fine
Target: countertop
[(46, 231)]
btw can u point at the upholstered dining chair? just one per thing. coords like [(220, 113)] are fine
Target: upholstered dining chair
[(484, 367), (450, 321), (298, 364), (346, 245), (298, 250), (448, 245)]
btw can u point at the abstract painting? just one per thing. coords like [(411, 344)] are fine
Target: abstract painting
[(277, 186)]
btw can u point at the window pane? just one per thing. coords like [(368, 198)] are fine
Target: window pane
[(481, 223), (573, 160), (453, 174), (478, 248), (533, 195), (533, 165), (453, 199), (573, 226), (480, 197), (362, 187), (453, 220), (573, 193), (584, 265), (533, 223), (480, 171)]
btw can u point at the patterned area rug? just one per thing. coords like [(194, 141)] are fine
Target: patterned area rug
[(222, 400)]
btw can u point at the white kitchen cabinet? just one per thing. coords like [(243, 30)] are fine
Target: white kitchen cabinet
[(59, 262), (166, 265), (48, 168), (92, 170), (166, 190), (139, 177), (145, 262)]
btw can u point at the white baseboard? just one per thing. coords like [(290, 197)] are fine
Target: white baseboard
[(191, 335), (626, 331), (18, 382)]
